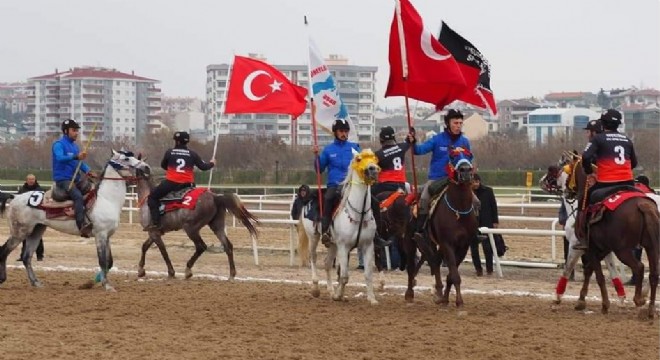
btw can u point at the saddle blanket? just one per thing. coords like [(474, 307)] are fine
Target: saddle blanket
[(188, 201), (613, 201)]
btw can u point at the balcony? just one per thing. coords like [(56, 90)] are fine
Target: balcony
[(93, 86), (92, 95), (93, 114)]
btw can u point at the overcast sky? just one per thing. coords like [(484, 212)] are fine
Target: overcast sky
[(534, 46)]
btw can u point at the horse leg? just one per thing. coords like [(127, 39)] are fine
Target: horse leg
[(166, 257), (342, 256), (145, 247), (200, 247), (652, 255), (626, 257), (571, 261), (31, 243), (616, 279), (104, 254), (217, 225), (411, 268), (600, 279), (329, 260), (588, 270), (316, 292), (434, 263), (453, 278), (368, 254)]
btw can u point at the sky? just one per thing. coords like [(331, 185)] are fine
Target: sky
[(534, 46)]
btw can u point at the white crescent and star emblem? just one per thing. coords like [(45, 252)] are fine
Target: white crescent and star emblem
[(247, 85), (427, 47)]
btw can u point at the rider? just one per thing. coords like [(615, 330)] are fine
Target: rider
[(179, 163), (643, 183), (392, 162), (440, 145), (593, 128), (614, 155), (337, 157), (65, 158)]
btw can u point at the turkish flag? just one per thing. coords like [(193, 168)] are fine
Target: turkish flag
[(256, 87), (473, 65), (433, 76)]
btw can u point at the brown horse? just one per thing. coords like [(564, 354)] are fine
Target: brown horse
[(635, 222), (452, 225), (394, 223), (210, 210)]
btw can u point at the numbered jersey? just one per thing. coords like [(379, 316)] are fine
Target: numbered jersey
[(391, 159), (614, 155), (180, 163)]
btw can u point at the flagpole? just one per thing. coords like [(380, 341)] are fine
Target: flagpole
[(222, 112), (404, 65), (312, 110)]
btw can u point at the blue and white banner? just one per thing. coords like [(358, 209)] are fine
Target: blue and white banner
[(329, 105)]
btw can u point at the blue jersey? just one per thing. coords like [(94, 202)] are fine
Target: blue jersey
[(64, 164), (440, 144), (337, 157)]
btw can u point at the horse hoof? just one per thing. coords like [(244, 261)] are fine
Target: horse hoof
[(171, 276), (109, 288), (316, 293), (373, 302), (188, 273), (37, 284), (337, 298), (604, 310), (581, 305), (410, 297), (141, 273), (557, 301)]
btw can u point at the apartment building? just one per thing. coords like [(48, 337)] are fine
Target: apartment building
[(357, 88), (121, 105)]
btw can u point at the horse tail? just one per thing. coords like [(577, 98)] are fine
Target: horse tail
[(4, 198), (303, 243), (233, 204), (651, 219)]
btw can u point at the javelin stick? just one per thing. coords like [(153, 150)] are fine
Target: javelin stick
[(404, 65), (222, 112), (312, 110), (89, 142)]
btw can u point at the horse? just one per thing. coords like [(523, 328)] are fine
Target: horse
[(195, 209), (29, 215), (353, 226), (395, 223), (547, 184), (636, 221), (451, 226)]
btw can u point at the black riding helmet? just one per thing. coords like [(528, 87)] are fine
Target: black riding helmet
[(340, 124), (595, 126), (69, 124), (611, 119), (386, 133), (452, 114), (182, 137)]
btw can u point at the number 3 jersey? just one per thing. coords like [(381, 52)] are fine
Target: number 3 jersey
[(614, 155), (391, 159), (180, 162)]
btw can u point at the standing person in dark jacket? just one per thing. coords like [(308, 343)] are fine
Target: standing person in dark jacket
[(179, 163), (488, 218), (302, 197), (31, 184)]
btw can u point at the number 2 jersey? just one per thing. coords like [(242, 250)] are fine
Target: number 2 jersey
[(179, 163), (391, 159), (614, 155)]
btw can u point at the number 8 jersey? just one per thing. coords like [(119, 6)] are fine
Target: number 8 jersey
[(391, 159), (614, 155), (179, 163)]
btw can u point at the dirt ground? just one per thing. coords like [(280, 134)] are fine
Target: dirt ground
[(268, 312)]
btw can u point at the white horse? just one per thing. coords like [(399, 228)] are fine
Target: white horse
[(28, 222), (353, 226)]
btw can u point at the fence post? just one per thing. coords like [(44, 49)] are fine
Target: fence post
[(554, 241)]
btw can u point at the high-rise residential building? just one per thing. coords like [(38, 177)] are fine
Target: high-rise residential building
[(121, 105), (356, 85)]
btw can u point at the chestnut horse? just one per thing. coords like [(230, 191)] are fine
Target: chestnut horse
[(635, 222), (452, 225)]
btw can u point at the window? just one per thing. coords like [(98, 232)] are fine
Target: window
[(365, 75), (283, 127), (221, 83), (580, 121), (545, 119), (222, 72)]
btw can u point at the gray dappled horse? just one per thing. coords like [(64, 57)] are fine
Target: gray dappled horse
[(28, 218), (209, 210)]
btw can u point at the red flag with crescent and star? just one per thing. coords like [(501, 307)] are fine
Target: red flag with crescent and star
[(420, 67), (256, 87)]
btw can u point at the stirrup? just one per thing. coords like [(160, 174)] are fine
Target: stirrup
[(381, 243), (86, 230)]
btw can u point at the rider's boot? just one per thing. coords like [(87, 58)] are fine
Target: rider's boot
[(419, 227), (154, 223), (325, 231), (85, 227), (379, 242)]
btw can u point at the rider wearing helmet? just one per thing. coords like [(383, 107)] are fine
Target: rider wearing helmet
[(593, 128), (336, 157), (65, 158), (391, 159), (440, 145), (179, 163), (614, 155)]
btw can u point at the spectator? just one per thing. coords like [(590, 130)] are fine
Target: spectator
[(302, 197), (488, 218), (31, 184)]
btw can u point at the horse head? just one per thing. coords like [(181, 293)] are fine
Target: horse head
[(365, 164), (124, 161), (460, 166)]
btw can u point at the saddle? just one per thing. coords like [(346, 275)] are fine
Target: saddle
[(185, 198), (177, 195), (601, 194), (608, 199), (389, 200), (55, 208)]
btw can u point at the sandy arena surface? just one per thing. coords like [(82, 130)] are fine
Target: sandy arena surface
[(260, 317)]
